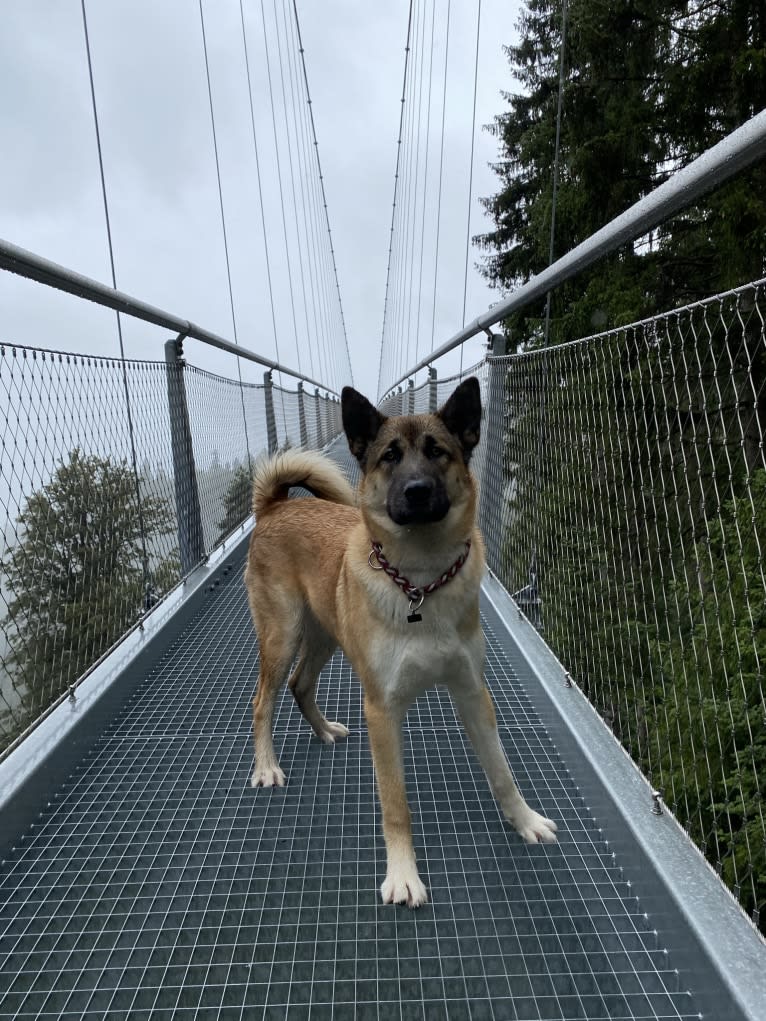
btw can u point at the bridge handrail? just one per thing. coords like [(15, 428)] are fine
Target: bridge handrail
[(735, 152), (34, 267)]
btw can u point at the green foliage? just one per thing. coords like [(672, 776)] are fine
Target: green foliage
[(649, 85), (713, 734), (78, 579), (642, 515), (609, 155)]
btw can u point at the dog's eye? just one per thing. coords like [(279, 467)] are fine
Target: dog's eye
[(433, 450), (392, 454)]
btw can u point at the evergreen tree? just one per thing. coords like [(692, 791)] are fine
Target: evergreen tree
[(610, 156), (649, 86), (77, 577), (237, 501), (668, 436)]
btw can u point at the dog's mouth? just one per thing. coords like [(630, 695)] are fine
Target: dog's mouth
[(419, 501)]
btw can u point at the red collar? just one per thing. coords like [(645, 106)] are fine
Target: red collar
[(416, 594)]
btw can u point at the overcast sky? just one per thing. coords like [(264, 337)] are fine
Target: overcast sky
[(161, 175)]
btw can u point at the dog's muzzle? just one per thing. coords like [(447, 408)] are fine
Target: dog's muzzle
[(417, 501)]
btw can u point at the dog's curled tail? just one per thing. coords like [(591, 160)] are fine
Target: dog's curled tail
[(273, 478)]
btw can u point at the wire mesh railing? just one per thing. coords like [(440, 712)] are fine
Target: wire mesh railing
[(624, 507), (116, 479)]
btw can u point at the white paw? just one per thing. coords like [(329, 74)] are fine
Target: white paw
[(404, 886), (534, 828), (332, 732), (267, 776)]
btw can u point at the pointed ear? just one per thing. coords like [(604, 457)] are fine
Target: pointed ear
[(361, 422), (462, 415)]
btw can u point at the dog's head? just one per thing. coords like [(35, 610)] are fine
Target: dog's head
[(415, 467)]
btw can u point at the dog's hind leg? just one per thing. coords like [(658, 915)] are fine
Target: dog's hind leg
[(316, 648), (279, 636)]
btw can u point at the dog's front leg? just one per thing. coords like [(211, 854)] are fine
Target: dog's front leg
[(475, 707), (402, 884)]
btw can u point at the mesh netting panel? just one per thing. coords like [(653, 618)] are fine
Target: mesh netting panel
[(89, 530), (99, 521), (625, 507), (228, 423)]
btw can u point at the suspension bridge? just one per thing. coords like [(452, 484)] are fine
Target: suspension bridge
[(622, 477)]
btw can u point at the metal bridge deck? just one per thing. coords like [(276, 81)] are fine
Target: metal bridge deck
[(156, 883)]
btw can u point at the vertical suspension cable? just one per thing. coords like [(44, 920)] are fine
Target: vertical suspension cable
[(301, 159), (417, 136), (318, 262), (321, 181), (533, 571), (279, 178), (556, 156), (402, 268), (425, 177), (136, 477), (292, 171), (441, 176), (470, 174), (223, 228), (260, 183), (396, 189)]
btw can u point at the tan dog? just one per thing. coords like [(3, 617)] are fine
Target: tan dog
[(390, 582)]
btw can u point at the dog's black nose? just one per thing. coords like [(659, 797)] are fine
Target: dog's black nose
[(418, 492)]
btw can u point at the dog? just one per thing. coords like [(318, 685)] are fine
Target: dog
[(392, 576)]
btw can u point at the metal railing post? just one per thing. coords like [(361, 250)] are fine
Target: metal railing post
[(320, 433), (329, 432), (302, 417), (410, 396), (271, 422), (433, 397), (490, 508), (190, 537)]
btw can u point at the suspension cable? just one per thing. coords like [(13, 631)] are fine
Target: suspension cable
[(556, 156), (223, 226), (402, 273), (260, 183), (289, 148), (131, 433), (420, 70), (396, 189), (279, 175), (425, 175), (298, 122), (441, 175), (318, 263), (470, 173), (321, 182)]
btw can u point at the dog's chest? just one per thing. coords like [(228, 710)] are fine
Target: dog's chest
[(408, 660)]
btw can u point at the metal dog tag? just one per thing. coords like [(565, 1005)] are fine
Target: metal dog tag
[(413, 616)]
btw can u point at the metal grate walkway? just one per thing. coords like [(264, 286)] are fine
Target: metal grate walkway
[(156, 883)]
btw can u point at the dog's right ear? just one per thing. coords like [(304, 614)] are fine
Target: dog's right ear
[(361, 422)]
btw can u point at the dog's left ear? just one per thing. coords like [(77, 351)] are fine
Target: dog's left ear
[(462, 415), (361, 422)]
